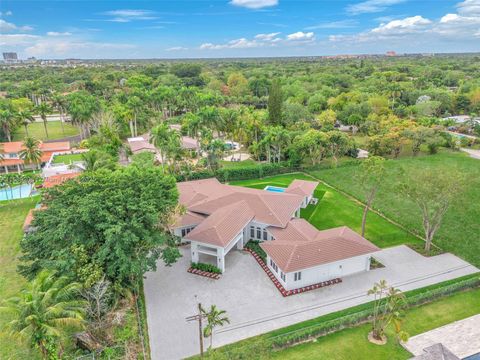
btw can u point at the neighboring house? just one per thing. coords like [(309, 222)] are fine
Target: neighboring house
[(11, 155), (54, 180), (436, 352), (222, 217), (141, 144)]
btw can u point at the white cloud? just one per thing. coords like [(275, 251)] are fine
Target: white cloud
[(177, 48), (17, 39), (371, 6), (349, 23), (127, 15), (301, 36), (469, 7), (9, 27), (254, 4), (263, 40), (266, 37), (6, 13), (56, 33), (407, 25), (53, 47)]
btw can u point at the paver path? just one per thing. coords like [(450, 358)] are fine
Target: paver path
[(460, 337), (473, 153), (254, 306)]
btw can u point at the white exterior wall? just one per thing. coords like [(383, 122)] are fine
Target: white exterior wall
[(317, 274), (257, 225)]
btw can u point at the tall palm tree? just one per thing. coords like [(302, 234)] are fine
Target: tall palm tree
[(160, 137), (25, 118), (215, 318), (7, 122), (43, 110), (60, 103), (31, 152), (44, 310), (94, 160)]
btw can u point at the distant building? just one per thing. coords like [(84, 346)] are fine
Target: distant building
[(10, 57), (391, 53)]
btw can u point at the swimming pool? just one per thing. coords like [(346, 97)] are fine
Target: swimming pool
[(473, 357), (16, 192), (274, 189)]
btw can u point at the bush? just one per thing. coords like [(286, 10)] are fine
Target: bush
[(254, 245), (253, 171), (206, 267)]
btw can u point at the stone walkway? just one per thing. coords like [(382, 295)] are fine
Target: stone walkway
[(473, 153), (462, 338)]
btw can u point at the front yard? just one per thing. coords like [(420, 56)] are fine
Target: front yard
[(54, 128), (334, 209), (341, 345)]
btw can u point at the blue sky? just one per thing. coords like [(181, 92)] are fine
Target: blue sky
[(233, 28)]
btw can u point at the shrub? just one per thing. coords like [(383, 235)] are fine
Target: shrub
[(206, 267), (254, 245)]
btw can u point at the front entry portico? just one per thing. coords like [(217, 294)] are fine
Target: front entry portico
[(219, 252)]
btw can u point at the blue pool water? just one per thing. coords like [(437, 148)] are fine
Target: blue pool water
[(17, 192), (275, 189), (473, 357)]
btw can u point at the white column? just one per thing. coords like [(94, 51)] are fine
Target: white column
[(18, 168), (240, 241), (194, 251), (6, 169), (221, 259)]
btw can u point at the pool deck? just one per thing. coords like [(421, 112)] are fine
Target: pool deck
[(461, 337)]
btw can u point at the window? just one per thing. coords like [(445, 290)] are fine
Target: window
[(297, 276), (273, 265), (12, 155), (259, 233), (184, 232), (282, 275), (265, 236), (252, 232)]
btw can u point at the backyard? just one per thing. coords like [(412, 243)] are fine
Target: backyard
[(12, 216), (460, 230), (335, 209), (37, 131), (67, 158)]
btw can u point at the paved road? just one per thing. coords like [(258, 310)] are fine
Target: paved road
[(473, 153), (255, 306)]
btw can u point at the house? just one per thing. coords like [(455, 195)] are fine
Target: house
[(141, 144), (299, 255), (222, 217), (54, 180), (11, 154)]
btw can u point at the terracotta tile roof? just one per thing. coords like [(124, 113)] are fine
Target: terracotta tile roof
[(10, 162), (189, 143), (30, 215), (192, 192), (302, 187), (189, 219), (55, 146), (301, 246), (58, 179), (11, 147), (269, 208), (140, 143), (222, 225)]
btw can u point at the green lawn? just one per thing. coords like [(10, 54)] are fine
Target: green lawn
[(335, 209), (37, 131), (343, 344), (67, 159), (237, 164), (12, 216), (460, 230)]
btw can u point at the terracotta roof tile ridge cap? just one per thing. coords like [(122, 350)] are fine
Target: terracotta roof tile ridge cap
[(271, 211)]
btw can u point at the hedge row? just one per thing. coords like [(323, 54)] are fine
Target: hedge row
[(239, 173), (205, 267), (340, 323)]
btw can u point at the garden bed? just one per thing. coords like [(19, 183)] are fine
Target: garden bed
[(206, 270), (280, 287)]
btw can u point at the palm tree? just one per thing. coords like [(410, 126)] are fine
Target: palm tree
[(215, 317), (160, 137), (43, 110), (60, 103), (7, 121), (25, 118), (31, 152), (44, 310), (94, 160)]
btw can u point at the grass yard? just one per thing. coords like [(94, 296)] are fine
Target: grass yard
[(335, 209), (237, 164), (37, 131), (460, 230), (12, 216), (67, 159), (341, 345)]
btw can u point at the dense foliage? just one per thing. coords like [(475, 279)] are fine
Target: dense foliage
[(107, 224)]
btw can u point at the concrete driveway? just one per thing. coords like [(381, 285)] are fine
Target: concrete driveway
[(255, 306)]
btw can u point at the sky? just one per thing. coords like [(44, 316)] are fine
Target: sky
[(235, 28)]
